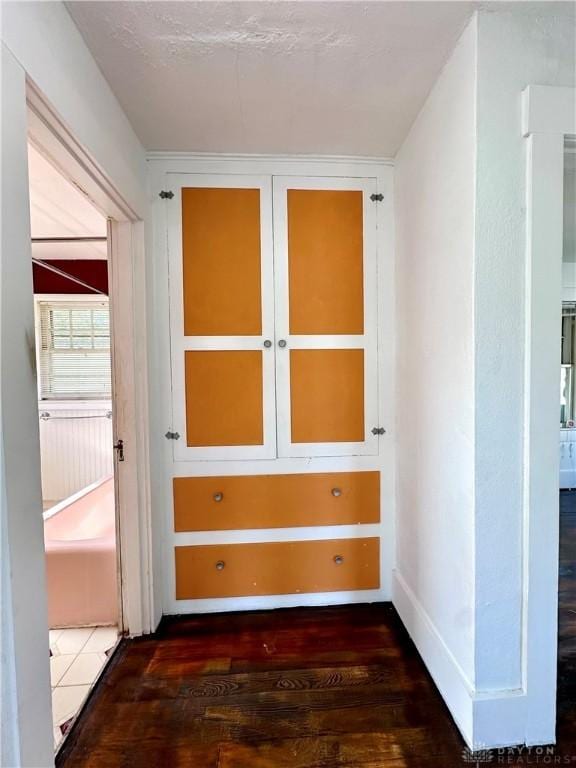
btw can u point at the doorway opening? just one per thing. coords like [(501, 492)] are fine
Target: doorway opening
[(76, 413)]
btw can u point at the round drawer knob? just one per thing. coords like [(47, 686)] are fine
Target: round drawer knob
[(336, 492), (282, 343), (220, 565), (218, 496), (338, 559), (267, 343)]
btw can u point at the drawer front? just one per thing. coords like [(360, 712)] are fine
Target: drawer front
[(276, 501), (277, 568)]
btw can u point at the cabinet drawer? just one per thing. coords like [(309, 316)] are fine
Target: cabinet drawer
[(276, 568), (276, 501)]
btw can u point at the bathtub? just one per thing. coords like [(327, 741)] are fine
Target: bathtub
[(80, 543)]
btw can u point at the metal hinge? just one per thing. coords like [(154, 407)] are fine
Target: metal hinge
[(166, 194), (378, 431), (172, 435), (377, 198)]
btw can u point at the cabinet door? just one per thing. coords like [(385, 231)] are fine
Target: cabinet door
[(326, 345), (222, 316)]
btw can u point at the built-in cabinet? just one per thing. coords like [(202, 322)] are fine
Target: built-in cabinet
[(273, 317)]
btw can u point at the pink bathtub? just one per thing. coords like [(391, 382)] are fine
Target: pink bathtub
[(80, 541)]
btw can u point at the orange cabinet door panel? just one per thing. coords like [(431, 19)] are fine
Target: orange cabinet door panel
[(327, 395), (221, 255), (224, 398), (325, 261)]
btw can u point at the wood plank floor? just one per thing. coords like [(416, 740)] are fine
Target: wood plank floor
[(298, 688)]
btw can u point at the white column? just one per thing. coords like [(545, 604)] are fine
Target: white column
[(541, 459)]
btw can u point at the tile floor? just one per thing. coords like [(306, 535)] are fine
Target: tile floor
[(76, 658)]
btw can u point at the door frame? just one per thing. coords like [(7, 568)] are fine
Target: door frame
[(127, 298), (548, 117)]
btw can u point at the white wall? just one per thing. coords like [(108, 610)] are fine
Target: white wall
[(47, 43), (515, 48), (40, 42), (25, 670), (460, 206), (434, 200)]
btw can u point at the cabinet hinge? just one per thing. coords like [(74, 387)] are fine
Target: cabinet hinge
[(166, 194), (172, 435), (377, 198), (378, 431)]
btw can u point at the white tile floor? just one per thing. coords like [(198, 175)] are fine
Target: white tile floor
[(76, 658)]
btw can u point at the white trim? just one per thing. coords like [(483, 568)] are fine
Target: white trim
[(130, 414), (494, 717), (267, 166), (224, 604), (52, 138), (274, 160), (254, 535), (455, 687), (548, 115), (77, 405), (280, 466), (38, 297)]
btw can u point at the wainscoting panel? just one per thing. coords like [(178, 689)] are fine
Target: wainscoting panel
[(75, 445)]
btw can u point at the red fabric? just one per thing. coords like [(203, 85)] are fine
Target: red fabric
[(91, 271)]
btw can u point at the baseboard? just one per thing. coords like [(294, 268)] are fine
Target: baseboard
[(486, 720), (270, 602), (450, 680)]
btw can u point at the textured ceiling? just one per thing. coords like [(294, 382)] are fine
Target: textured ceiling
[(286, 77)]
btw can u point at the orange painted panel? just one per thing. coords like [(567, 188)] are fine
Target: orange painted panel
[(276, 501), (276, 568), (224, 398), (327, 395), (325, 261), (221, 262)]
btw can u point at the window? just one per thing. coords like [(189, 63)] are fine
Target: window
[(74, 349)]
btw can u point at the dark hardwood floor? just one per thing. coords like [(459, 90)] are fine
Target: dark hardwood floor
[(566, 731), (296, 688)]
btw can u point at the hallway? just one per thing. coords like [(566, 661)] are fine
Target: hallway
[(326, 289), (296, 688)]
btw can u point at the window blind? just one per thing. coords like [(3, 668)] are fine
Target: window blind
[(74, 350)]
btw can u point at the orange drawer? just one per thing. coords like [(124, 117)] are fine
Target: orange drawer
[(275, 501), (276, 568)]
